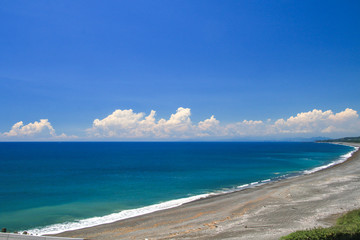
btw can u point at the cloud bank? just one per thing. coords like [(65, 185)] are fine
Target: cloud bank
[(126, 124)]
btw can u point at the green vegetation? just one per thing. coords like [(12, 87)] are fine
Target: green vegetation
[(346, 139), (347, 228)]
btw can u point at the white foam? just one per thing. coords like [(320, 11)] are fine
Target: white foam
[(341, 159), (90, 222), (243, 186)]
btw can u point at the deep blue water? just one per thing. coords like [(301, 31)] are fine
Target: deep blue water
[(47, 183)]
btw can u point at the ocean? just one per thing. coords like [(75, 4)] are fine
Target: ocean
[(50, 187)]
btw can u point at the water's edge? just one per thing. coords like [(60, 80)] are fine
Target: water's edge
[(94, 221)]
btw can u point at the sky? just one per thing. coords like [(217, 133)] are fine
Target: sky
[(85, 70)]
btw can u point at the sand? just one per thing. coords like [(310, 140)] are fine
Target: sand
[(264, 212)]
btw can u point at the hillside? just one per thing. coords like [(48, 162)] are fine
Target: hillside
[(345, 139)]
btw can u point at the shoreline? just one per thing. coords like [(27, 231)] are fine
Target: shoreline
[(136, 212), (209, 218)]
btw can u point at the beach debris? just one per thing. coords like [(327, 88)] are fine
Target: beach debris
[(25, 233), (3, 230)]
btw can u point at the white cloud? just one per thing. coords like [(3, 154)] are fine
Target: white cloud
[(31, 129), (120, 122), (41, 129), (210, 127), (317, 121), (346, 115), (179, 125), (63, 136), (128, 124), (245, 128)]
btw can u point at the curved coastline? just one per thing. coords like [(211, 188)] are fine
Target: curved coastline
[(242, 195), (131, 213)]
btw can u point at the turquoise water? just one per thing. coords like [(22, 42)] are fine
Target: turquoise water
[(44, 184)]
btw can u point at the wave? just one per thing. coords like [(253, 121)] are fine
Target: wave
[(94, 221)]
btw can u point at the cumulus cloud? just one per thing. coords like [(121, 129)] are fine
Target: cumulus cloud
[(120, 122), (317, 121), (210, 127), (31, 129), (128, 124), (37, 129)]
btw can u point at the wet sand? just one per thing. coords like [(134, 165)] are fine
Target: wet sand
[(264, 212)]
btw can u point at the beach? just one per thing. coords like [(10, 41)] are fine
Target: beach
[(268, 211)]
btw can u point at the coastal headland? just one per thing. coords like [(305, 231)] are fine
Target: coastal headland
[(268, 211)]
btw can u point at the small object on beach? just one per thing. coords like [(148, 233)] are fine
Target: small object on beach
[(25, 233), (245, 226), (3, 230)]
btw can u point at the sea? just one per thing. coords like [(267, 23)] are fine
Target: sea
[(51, 187)]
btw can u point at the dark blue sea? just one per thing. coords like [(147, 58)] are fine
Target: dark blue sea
[(52, 187)]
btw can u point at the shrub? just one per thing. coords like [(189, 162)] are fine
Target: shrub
[(347, 228)]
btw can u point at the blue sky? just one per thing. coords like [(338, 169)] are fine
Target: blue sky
[(72, 62)]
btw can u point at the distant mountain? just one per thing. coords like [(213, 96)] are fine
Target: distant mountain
[(345, 139), (303, 139)]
